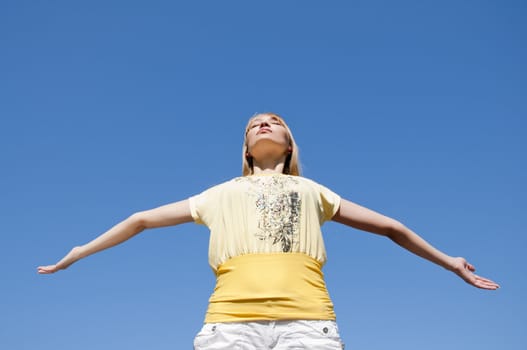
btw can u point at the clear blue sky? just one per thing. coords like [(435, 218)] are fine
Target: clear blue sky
[(415, 109)]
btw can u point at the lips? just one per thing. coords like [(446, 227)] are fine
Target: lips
[(264, 129)]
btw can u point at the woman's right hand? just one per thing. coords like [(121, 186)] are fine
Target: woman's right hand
[(70, 258), (166, 215)]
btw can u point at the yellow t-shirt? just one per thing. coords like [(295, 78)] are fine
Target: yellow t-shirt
[(254, 222)]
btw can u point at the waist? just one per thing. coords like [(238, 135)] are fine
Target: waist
[(274, 286)]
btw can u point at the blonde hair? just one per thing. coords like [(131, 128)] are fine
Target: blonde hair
[(292, 163)]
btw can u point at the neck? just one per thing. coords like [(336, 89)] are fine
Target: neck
[(269, 166)]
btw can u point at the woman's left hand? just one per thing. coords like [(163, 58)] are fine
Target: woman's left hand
[(463, 269)]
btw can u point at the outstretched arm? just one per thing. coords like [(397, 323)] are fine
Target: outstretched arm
[(359, 217), (167, 215)]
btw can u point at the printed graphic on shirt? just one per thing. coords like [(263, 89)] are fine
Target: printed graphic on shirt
[(278, 209)]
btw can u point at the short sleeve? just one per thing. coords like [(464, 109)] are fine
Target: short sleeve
[(195, 202), (329, 202), (202, 205)]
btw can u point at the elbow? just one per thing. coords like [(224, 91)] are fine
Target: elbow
[(138, 221), (395, 230)]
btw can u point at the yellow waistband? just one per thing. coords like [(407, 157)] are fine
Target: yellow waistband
[(276, 286)]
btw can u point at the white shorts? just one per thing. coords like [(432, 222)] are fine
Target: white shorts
[(276, 335)]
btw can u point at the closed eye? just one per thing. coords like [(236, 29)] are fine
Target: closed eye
[(258, 123)]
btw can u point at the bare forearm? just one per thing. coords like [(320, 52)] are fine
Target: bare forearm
[(409, 240), (362, 218), (117, 234), (166, 215), (121, 232)]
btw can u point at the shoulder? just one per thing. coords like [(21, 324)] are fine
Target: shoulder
[(309, 182), (219, 187), (322, 190)]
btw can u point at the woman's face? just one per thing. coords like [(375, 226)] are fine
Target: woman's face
[(266, 135)]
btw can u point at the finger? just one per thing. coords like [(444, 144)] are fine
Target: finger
[(485, 283), (484, 279), (487, 286), (471, 267), (47, 269)]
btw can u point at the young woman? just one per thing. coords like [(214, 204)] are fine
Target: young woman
[(266, 247)]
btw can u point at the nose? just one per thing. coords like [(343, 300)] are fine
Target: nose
[(264, 123)]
